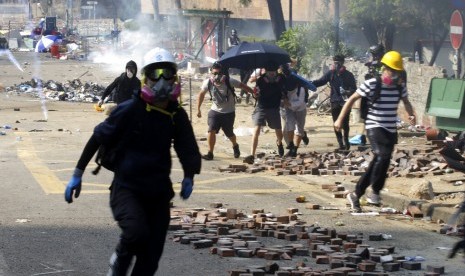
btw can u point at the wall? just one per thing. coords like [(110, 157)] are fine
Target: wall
[(302, 10)]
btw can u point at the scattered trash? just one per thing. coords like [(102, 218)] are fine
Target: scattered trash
[(386, 236), (186, 219), (366, 214), (300, 199), (415, 259), (2, 133), (22, 220), (389, 210), (386, 258), (339, 223), (458, 183), (243, 131), (444, 248), (73, 90)]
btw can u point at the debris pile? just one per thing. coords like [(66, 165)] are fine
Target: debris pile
[(406, 161), (73, 90)]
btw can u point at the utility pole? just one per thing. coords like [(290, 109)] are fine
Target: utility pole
[(290, 14), (69, 21), (336, 26)]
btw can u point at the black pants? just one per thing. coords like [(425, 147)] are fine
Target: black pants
[(245, 76), (336, 109), (144, 223), (382, 144)]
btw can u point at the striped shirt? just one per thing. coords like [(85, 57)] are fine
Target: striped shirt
[(383, 113)]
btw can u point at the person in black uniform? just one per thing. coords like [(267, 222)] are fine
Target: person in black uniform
[(124, 86), (342, 83), (141, 190)]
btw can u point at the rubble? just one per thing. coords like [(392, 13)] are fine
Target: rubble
[(229, 233), (72, 90)]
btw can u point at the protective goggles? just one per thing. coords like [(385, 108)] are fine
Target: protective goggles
[(166, 73)]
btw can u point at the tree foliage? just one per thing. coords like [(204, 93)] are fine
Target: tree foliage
[(310, 43), (381, 20)]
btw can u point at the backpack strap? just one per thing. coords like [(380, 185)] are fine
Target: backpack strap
[(229, 88), (210, 85)]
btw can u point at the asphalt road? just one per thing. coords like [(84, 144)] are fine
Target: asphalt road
[(40, 234)]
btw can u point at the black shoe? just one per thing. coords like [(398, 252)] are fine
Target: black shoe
[(281, 150), (236, 150), (292, 152), (247, 98), (208, 156), (249, 159), (305, 138)]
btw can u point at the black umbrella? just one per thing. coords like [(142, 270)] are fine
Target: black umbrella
[(254, 55)]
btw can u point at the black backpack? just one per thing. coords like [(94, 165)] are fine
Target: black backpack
[(107, 154), (366, 102)]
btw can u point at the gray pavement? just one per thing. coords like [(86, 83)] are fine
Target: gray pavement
[(40, 234)]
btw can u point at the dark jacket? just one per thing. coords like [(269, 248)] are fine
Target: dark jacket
[(123, 88), (144, 162), (337, 79)]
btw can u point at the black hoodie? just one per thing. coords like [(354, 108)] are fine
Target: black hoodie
[(124, 88)]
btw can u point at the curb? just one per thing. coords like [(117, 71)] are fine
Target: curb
[(437, 212)]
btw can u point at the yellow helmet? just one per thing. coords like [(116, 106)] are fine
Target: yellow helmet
[(393, 60)]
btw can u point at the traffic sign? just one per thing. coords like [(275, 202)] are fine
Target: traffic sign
[(456, 29)]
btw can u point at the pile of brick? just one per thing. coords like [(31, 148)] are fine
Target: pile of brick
[(229, 233), (407, 161)]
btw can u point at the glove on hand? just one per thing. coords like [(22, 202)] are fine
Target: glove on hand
[(187, 187), (74, 185)]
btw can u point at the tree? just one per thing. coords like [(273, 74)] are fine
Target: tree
[(310, 43), (379, 20), (376, 18)]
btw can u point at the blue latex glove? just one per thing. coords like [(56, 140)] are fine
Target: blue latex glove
[(74, 185), (187, 186)]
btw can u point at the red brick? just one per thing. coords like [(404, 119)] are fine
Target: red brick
[(411, 265), (225, 252), (322, 259), (435, 268), (364, 266)]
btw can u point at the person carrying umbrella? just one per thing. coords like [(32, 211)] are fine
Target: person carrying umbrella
[(123, 87), (343, 84), (144, 129), (223, 110), (270, 91)]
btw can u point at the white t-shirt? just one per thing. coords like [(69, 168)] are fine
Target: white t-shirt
[(223, 101), (296, 100)]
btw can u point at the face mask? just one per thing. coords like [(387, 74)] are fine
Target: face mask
[(162, 90), (129, 73), (390, 80)]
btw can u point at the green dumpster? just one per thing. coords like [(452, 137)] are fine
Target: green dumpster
[(446, 102)]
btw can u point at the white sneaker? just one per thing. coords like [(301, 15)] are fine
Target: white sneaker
[(374, 199)]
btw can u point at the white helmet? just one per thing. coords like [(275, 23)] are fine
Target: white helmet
[(159, 55)]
